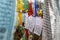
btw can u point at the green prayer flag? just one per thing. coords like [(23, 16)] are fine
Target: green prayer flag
[(25, 4), (24, 36)]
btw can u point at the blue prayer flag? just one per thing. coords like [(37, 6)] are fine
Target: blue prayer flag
[(7, 12)]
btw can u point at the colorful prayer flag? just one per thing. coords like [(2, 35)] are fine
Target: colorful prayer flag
[(36, 8), (20, 8), (24, 36), (30, 10), (25, 4), (7, 15)]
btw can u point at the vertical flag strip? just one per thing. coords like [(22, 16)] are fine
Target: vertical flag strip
[(30, 10), (20, 14), (20, 8), (36, 6), (20, 18), (7, 14), (47, 32), (26, 34), (25, 4), (26, 25)]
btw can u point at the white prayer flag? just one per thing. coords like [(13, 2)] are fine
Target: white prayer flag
[(38, 26)]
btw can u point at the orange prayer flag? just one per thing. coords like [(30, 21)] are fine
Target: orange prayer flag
[(20, 18)]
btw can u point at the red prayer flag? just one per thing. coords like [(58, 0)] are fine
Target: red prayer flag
[(30, 10), (26, 34)]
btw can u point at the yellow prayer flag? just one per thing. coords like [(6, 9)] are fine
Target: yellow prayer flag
[(40, 12), (20, 8)]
